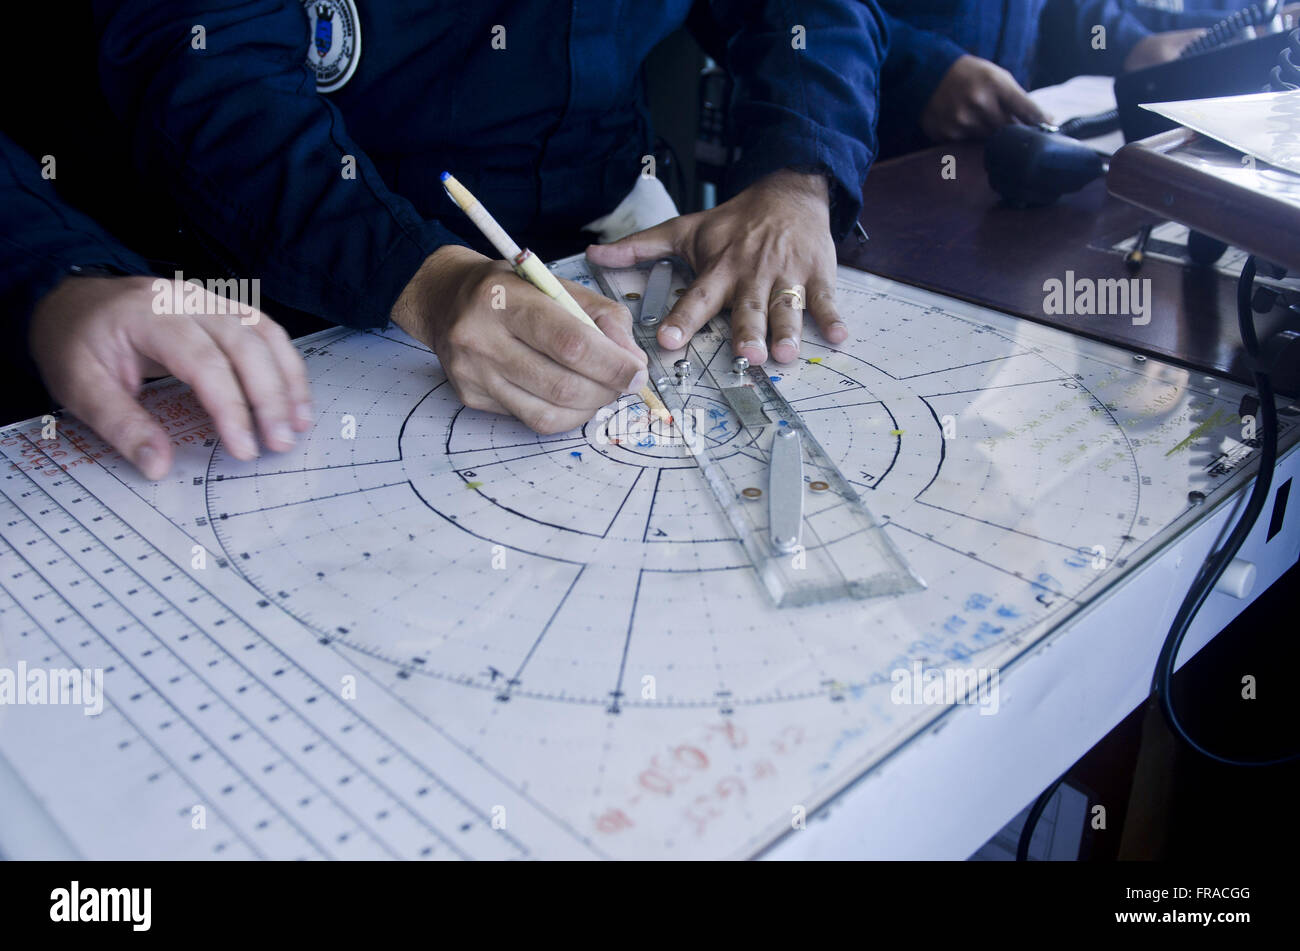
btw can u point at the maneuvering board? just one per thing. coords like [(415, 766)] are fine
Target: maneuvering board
[(429, 632)]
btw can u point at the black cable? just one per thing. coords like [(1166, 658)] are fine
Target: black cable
[(1226, 30), (1031, 820), (1091, 126), (1217, 562)]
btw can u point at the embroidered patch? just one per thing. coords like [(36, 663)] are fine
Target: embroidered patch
[(335, 42)]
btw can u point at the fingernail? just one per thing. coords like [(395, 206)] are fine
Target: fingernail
[(304, 412), (638, 381), (244, 446), (671, 337), (750, 345), (280, 432), (147, 461), (789, 343)]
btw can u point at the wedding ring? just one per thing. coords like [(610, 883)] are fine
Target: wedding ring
[(795, 294)]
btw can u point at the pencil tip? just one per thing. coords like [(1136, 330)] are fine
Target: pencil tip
[(444, 176)]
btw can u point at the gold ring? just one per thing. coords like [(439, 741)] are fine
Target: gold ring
[(795, 293)]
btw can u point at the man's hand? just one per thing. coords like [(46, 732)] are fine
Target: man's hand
[(1158, 48), (1165, 47), (974, 99), (95, 339), (508, 348), (772, 237)]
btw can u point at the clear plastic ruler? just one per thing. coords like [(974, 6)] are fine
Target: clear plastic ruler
[(806, 530)]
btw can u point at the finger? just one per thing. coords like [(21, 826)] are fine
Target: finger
[(535, 413), (548, 328), (556, 385), (785, 317), (259, 375), (1016, 103), (749, 315), (111, 410), (821, 305), (987, 116), (613, 318), (657, 242), (194, 358), (292, 369), (701, 302)]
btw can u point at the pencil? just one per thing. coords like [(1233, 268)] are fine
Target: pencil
[(528, 266)]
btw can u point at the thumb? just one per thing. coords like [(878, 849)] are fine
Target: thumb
[(657, 242), (105, 404)]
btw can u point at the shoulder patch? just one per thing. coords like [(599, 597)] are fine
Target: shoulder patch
[(335, 46)]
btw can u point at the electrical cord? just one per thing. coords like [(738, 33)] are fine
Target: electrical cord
[(1091, 126), (1213, 567), (1217, 562), (1226, 30), (1031, 820)]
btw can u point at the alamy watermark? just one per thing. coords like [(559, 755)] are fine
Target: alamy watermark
[(1104, 297), (946, 686), (214, 297), (53, 686)]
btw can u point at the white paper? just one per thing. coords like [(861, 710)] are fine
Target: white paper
[(1265, 125)]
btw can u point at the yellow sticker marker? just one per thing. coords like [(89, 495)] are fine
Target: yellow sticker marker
[(895, 432), (473, 485), (814, 359)]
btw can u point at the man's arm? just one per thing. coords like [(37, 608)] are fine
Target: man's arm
[(42, 240), (256, 158), (807, 80), (913, 69), (1138, 37), (935, 91), (84, 306), (805, 112)]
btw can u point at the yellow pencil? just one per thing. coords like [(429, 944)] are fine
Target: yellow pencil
[(528, 266)]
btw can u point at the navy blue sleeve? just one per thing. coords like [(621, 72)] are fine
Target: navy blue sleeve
[(255, 156), (804, 100), (42, 240), (917, 62)]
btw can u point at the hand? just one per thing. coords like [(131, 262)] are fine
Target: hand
[(974, 99), (1157, 48), (526, 356), (95, 339), (772, 236)]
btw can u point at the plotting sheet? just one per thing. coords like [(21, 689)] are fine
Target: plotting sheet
[(429, 632)]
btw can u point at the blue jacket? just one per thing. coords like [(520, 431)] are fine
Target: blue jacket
[(927, 36), (537, 107)]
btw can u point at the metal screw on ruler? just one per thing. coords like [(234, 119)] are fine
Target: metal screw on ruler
[(739, 365), (1195, 497), (683, 367)]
